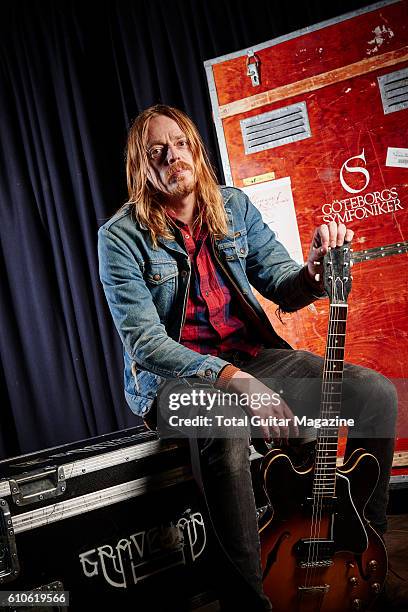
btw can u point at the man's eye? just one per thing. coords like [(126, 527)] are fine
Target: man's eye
[(155, 153), (182, 143)]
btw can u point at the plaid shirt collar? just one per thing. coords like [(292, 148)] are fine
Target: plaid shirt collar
[(200, 232)]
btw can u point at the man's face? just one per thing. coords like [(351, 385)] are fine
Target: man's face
[(171, 165)]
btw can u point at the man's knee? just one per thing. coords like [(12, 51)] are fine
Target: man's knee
[(373, 396), (380, 389), (385, 395)]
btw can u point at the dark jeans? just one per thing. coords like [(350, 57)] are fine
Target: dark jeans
[(367, 396)]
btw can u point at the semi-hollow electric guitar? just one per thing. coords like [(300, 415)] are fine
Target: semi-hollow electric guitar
[(318, 551)]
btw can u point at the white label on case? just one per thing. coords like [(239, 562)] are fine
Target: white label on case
[(397, 157)]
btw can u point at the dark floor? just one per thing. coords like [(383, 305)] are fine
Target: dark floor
[(395, 595)]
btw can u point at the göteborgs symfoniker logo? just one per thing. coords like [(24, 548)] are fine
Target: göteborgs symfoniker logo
[(360, 204)]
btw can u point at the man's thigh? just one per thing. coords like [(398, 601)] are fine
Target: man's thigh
[(295, 375), (366, 395)]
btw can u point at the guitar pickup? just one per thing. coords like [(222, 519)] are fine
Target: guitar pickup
[(315, 552), (324, 588), (327, 504)]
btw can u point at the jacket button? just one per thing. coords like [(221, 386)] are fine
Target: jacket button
[(242, 250), (208, 372), (184, 273), (156, 276)]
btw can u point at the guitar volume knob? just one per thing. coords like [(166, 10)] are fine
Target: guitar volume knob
[(376, 587), (356, 604), (372, 565), (353, 581)]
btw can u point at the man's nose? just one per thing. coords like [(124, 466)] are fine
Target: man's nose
[(172, 154)]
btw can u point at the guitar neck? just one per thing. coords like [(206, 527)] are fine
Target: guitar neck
[(324, 481), (330, 406)]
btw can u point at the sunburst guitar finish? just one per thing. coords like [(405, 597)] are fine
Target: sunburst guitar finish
[(327, 557)]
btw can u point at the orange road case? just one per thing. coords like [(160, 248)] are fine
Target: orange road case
[(314, 126)]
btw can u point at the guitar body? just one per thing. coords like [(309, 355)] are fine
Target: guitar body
[(320, 556)]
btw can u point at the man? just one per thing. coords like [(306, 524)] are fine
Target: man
[(177, 263)]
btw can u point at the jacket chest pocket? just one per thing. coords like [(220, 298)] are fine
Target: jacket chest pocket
[(235, 247), (159, 272), (161, 280)]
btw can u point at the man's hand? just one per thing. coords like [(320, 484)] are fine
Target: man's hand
[(243, 383), (331, 235)]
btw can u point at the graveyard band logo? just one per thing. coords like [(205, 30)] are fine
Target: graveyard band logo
[(360, 205), (147, 552)]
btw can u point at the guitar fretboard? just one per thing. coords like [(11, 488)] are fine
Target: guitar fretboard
[(324, 481)]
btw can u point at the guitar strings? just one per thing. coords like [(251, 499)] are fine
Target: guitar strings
[(317, 492), (340, 318), (316, 503), (324, 438), (317, 498)]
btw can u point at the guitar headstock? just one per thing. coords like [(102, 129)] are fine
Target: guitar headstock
[(337, 273)]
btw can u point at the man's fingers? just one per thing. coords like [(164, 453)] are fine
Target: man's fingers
[(333, 231), (289, 415), (326, 235), (321, 237), (295, 429), (270, 432), (316, 254), (349, 235), (284, 413), (283, 432), (341, 232)]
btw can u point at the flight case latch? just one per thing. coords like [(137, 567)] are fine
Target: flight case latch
[(9, 565)]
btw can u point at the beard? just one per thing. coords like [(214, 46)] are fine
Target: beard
[(173, 186), (180, 185)]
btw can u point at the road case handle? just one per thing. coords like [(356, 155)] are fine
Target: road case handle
[(31, 487)]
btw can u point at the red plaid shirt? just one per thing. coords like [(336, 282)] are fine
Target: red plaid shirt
[(215, 322)]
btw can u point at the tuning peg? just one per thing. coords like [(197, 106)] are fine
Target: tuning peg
[(351, 263), (317, 263), (317, 277), (351, 277)]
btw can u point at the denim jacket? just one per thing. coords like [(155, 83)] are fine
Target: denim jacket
[(147, 290)]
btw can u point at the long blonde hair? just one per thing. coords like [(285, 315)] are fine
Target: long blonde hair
[(147, 206)]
